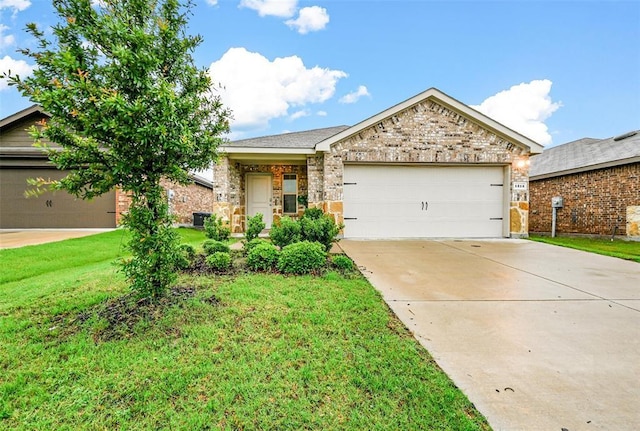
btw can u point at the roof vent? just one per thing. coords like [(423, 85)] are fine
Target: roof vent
[(625, 136)]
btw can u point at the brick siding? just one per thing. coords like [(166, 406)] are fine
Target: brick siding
[(186, 200), (595, 202)]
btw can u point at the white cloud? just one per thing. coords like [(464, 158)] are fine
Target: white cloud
[(16, 5), (212, 2), (281, 8), (258, 90), (5, 41), (17, 67), (354, 96), (321, 113), (523, 108), (299, 114), (312, 18)]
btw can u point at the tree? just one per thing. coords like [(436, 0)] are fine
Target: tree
[(128, 109)]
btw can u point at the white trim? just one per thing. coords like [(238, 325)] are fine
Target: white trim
[(447, 101)]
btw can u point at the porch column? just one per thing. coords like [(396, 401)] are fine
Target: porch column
[(315, 179), (226, 194)]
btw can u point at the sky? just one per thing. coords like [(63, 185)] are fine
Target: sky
[(553, 71)]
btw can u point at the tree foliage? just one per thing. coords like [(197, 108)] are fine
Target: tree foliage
[(128, 109)]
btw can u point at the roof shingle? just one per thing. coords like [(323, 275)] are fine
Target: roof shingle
[(307, 139), (586, 154)]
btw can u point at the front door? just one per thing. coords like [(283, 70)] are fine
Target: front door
[(259, 192)]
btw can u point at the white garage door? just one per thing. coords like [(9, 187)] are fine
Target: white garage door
[(424, 202)]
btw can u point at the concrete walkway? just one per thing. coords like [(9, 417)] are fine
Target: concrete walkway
[(12, 238), (538, 337)]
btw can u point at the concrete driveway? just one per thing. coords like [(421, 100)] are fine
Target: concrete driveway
[(538, 337), (12, 238)]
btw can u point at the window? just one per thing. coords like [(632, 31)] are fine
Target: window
[(289, 194)]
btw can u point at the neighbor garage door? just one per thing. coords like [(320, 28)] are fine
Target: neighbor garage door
[(51, 210), (424, 202)]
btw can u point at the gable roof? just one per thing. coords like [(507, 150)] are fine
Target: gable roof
[(447, 101), (586, 154), (12, 119), (306, 139)]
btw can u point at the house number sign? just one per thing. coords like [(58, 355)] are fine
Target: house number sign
[(520, 186)]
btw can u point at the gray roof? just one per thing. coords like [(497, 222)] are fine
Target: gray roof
[(307, 139), (586, 154)]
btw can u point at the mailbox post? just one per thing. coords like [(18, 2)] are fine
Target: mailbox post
[(556, 202)]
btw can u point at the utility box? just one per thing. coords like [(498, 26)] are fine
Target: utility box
[(557, 202), (199, 218)]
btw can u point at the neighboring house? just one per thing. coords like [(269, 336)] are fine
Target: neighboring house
[(19, 160), (599, 181), (428, 167)]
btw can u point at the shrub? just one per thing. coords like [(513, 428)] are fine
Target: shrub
[(254, 227), (302, 258), (263, 257), (186, 254), (285, 232), (216, 229), (211, 246), (322, 229), (313, 213), (219, 261), (248, 246), (342, 263)]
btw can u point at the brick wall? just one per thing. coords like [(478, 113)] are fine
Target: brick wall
[(594, 201), (186, 200)]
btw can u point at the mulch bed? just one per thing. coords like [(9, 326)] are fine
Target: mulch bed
[(118, 317)]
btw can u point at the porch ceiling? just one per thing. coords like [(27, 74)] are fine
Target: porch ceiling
[(276, 156), (265, 159)]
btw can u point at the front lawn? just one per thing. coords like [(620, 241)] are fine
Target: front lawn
[(629, 250), (252, 351)]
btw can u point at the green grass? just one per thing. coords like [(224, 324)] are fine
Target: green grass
[(272, 352), (629, 250)]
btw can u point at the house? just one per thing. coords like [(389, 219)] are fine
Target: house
[(19, 160), (598, 181), (430, 166)]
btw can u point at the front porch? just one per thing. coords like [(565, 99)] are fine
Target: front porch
[(246, 187)]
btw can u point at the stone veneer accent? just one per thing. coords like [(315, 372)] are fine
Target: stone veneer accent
[(229, 189), (595, 202), (426, 133), (633, 222)]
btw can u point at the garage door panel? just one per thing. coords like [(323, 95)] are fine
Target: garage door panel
[(50, 210), (405, 202)]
